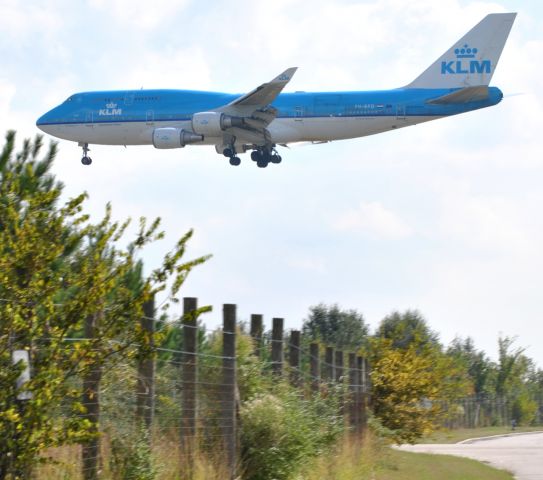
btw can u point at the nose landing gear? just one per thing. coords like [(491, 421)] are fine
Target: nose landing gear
[(86, 160)]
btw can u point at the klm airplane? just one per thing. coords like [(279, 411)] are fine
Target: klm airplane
[(261, 120)]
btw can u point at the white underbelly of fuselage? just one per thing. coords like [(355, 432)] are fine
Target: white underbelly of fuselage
[(282, 130)]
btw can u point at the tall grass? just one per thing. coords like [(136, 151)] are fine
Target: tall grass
[(168, 459), (352, 458)]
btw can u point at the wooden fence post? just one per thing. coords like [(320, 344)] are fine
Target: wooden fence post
[(294, 358), (338, 364), (256, 333), (338, 367), (189, 382), (367, 381), (361, 396), (277, 346), (91, 402), (329, 364), (353, 390), (145, 399), (314, 366), (228, 399)]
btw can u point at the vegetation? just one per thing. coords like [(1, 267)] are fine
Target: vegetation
[(461, 434), (282, 432), (63, 276), (375, 461), (343, 329)]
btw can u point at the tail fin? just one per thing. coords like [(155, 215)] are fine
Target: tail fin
[(472, 60)]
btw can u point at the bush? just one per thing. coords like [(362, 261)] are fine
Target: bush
[(131, 456), (281, 432)]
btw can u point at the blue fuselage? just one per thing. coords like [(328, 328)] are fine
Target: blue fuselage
[(157, 106)]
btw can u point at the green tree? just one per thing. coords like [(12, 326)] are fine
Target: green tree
[(407, 328), (56, 270), (514, 371), (344, 329), (478, 366)]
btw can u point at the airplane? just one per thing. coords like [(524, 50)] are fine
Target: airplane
[(260, 121)]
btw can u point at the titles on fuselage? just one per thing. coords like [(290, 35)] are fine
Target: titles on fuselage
[(463, 67), (111, 109)]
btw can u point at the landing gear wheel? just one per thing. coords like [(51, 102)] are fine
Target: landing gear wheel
[(276, 158), (86, 160), (235, 161), (255, 156), (228, 152), (262, 163)]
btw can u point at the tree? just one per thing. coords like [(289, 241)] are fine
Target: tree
[(411, 386), (478, 366), (412, 379), (514, 370), (57, 270), (407, 328), (344, 329)]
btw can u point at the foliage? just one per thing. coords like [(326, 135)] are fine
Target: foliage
[(407, 328), (58, 273), (410, 387), (477, 365), (344, 329), (131, 457), (281, 432)]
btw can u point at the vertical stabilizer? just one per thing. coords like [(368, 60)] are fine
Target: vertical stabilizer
[(471, 61)]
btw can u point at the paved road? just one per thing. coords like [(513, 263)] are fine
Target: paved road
[(520, 454)]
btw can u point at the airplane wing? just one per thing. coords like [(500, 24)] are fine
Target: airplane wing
[(255, 109), (267, 92)]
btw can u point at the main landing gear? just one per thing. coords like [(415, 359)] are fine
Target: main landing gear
[(86, 160), (264, 156), (230, 152)]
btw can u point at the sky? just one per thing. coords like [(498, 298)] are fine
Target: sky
[(444, 217)]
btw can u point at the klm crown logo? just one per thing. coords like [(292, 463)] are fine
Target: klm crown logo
[(465, 62)]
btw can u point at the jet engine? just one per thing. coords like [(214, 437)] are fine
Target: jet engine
[(171, 137), (212, 124)]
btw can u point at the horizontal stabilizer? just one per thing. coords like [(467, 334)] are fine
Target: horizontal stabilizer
[(464, 95)]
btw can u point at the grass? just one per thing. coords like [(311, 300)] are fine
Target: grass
[(422, 466), (376, 461), (167, 457), (455, 436), (371, 459)]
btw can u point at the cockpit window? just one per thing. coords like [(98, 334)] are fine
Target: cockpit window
[(69, 99)]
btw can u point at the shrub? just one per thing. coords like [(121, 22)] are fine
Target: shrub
[(131, 456), (282, 431)]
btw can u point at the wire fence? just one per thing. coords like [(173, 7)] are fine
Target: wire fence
[(187, 400)]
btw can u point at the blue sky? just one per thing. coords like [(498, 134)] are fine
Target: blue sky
[(444, 217)]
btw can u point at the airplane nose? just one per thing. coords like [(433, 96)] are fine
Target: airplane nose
[(44, 122), (40, 122)]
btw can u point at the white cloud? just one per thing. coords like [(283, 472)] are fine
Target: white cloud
[(307, 263), (373, 219), (488, 223), (139, 13), (25, 21), (174, 68)]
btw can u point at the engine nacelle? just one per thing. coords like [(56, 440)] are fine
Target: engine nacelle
[(212, 124), (171, 137)]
